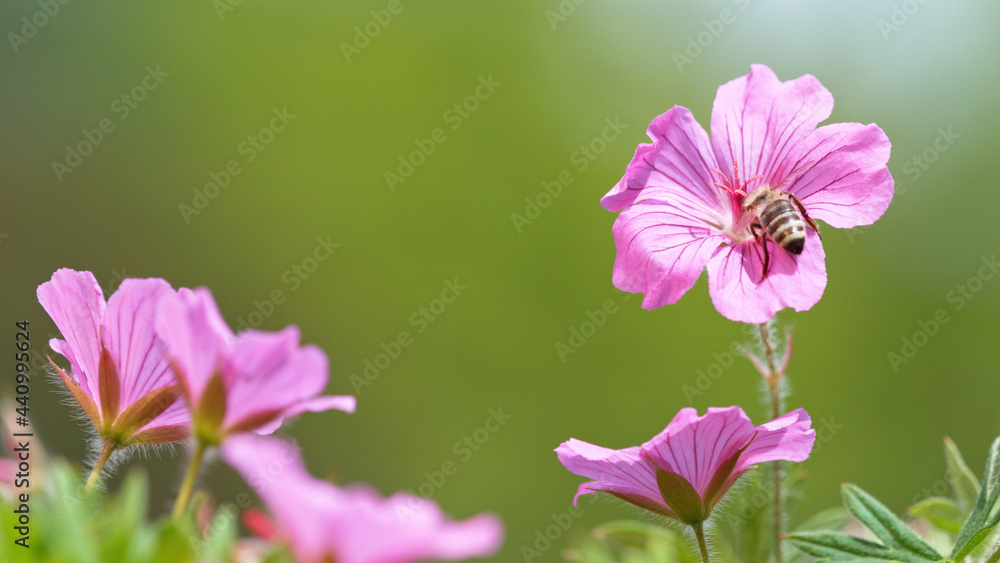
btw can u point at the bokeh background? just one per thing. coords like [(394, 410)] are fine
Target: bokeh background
[(201, 78)]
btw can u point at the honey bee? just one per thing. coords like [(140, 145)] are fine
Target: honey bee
[(777, 218)]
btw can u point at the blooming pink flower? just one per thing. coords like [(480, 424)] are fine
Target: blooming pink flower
[(683, 471), (118, 373), (683, 210), (321, 522), (249, 382)]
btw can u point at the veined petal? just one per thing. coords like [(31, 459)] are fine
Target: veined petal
[(789, 437), (76, 304), (694, 447), (268, 372), (195, 337), (792, 281), (757, 120), (623, 471), (845, 182), (676, 168), (346, 403), (129, 335), (661, 251)]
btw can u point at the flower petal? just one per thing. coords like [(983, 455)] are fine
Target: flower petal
[(195, 336), (346, 403), (624, 471), (694, 447), (845, 181), (788, 437), (676, 168), (129, 335), (757, 120), (661, 251), (792, 281), (76, 304), (268, 372)]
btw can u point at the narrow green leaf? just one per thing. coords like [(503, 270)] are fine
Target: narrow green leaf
[(940, 511), (837, 546), (963, 481), (884, 524), (976, 528)]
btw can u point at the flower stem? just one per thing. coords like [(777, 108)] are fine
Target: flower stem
[(102, 460), (699, 532), (189, 478), (774, 390)]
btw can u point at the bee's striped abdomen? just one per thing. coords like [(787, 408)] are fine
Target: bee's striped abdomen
[(783, 223)]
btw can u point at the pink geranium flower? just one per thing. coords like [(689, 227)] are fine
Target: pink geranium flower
[(321, 522), (683, 197), (249, 382), (118, 374), (683, 471)]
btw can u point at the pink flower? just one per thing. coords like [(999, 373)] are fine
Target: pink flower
[(683, 471), (249, 382), (118, 373), (321, 522), (683, 197)]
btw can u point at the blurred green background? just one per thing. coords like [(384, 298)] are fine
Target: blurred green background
[(210, 75)]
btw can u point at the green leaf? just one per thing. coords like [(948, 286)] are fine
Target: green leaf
[(979, 524), (884, 524), (963, 481), (940, 511), (837, 546)]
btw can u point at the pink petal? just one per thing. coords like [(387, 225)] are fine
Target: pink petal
[(695, 447), (346, 403), (267, 371), (195, 337), (76, 304), (792, 281), (676, 168), (846, 182), (660, 251), (623, 471), (129, 335), (758, 120), (788, 437)]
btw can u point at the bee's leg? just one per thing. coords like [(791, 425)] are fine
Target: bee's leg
[(805, 215), (759, 237)]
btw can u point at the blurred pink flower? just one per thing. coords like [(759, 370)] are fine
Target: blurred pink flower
[(118, 373), (682, 210), (321, 522), (683, 471), (248, 382)]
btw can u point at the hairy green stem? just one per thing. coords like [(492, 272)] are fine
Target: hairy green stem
[(774, 389), (189, 478), (102, 460), (699, 532)]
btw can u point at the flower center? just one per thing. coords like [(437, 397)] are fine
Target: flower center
[(739, 229)]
